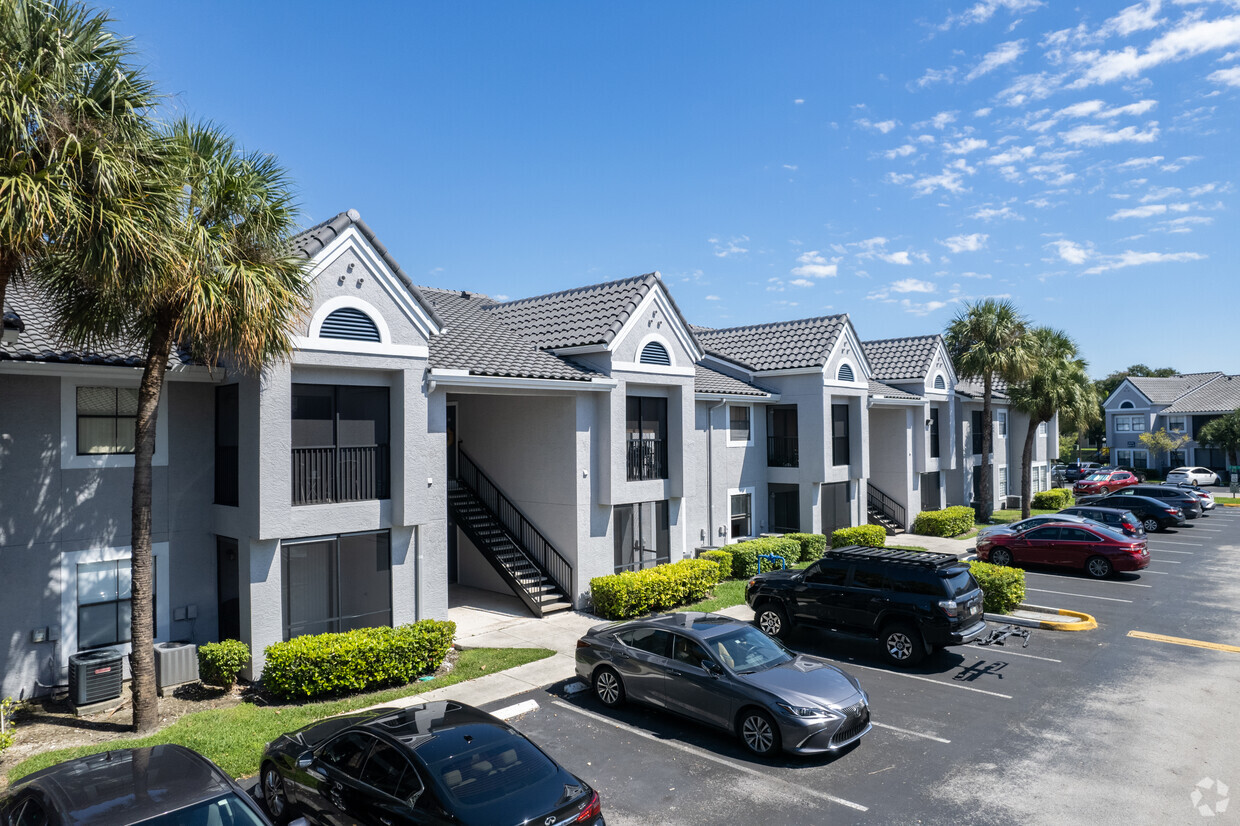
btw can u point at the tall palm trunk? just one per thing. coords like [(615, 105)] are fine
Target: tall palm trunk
[(986, 506), (145, 703), (1026, 487), (9, 262)]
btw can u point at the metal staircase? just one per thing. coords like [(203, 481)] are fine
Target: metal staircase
[(885, 511), (518, 552)]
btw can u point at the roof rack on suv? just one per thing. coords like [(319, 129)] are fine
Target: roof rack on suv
[(921, 559)]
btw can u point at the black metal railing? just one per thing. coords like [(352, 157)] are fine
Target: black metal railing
[(522, 531), (328, 474), (647, 459), (782, 451), (887, 506)]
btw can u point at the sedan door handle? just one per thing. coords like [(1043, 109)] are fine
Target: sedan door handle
[(676, 673)]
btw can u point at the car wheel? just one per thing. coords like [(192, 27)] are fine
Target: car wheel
[(772, 619), (1150, 525), (758, 732), (902, 645), (274, 797), (1103, 491), (1001, 557), (608, 688), (1098, 567)]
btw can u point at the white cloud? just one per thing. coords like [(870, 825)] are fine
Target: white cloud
[(713, 298), (1191, 38), (1162, 193), (1071, 252), (900, 151), (1016, 153), (912, 285), (1001, 55), (1203, 189), (1134, 259), (790, 166), (1138, 108), (732, 247), (933, 76), (1026, 88), (981, 113), (966, 243), (799, 101), (899, 177), (500, 297), (1091, 134), (1136, 18), (1226, 77), (1183, 224), (814, 265), (1140, 212), (1081, 110), (883, 126), (921, 309), (984, 10), (900, 258), (801, 282), (950, 179), (965, 146), (941, 120), (1140, 163), (993, 214)]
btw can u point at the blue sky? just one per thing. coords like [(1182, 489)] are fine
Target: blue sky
[(772, 160)]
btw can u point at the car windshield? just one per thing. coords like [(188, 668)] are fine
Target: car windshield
[(1098, 477), (485, 773), (229, 809), (746, 650)]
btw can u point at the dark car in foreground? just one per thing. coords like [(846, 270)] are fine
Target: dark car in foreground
[(725, 673), (912, 602), (440, 762), (164, 785), (1181, 498), (1098, 551), (1155, 514), (1117, 519)]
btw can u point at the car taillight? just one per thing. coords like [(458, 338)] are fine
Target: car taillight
[(1173, 511), (593, 810), (949, 607), (582, 644)]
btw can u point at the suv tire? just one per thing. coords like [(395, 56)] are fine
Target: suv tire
[(902, 644), (772, 620), (1151, 525)]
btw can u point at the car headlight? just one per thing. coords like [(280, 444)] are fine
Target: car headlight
[(807, 712)]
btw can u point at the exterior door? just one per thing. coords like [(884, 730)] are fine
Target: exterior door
[(835, 511), (228, 587), (644, 663), (930, 500), (690, 690), (785, 508)]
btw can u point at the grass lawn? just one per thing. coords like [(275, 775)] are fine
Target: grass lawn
[(1227, 500), (234, 737), (1008, 516)]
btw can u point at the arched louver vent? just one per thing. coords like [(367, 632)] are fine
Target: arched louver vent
[(1126, 406), (656, 353), (939, 384), (349, 323), (846, 373)]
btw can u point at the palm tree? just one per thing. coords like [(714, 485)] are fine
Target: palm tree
[(1058, 384), (987, 340), (71, 110), (225, 285)]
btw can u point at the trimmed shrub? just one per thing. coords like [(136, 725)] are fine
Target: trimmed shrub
[(634, 593), (353, 661), (875, 536), (745, 561), (947, 522), (1053, 499), (8, 731), (721, 558), (219, 663), (1002, 588), (812, 545)]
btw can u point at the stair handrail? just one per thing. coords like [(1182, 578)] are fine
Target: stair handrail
[(887, 506), (518, 525)]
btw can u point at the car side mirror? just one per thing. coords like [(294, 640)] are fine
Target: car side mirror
[(412, 799), (712, 668), (305, 759)]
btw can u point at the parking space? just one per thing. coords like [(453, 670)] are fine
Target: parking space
[(973, 734)]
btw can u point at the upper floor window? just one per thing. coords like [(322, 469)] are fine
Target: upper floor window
[(1126, 406), (977, 432), (1177, 424), (106, 419), (934, 433), (340, 443), (1001, 422), (840, 454), (1126, 424), (939, 384), (1041, 428), (647, 437), (655, 353), (739, 424), (781, 441), (227, 435), (350, 323), (845, 373)]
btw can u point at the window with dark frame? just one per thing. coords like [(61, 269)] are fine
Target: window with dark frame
[(106, 420), (227, 440), (647, 438), (742, 515), (642, 535), (840, 454), (977, 432), (738, 423), (934, 433), (104, 603), (340, 443), (337, 583)]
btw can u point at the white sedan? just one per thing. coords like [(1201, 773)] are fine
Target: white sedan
[(1193, 475)]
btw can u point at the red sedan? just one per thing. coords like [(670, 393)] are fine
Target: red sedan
[(1104, 482), (1099, 551)]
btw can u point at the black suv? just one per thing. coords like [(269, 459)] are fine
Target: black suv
[(1181, 498), (911, 602)]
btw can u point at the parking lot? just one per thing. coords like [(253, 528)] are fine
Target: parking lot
[(1090, 727)]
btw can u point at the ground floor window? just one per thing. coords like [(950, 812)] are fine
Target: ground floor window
[(1136, 459), (642, 536), (1003, 482), (105, 607), (1177, 458), (741, 512), (1211, 457), (785, 508), (337, 583)]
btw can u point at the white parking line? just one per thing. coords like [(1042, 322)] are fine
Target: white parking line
[(1159, 573), (1082, 596), (936, 682), (1169, 561), (1103, 581), (796, 788), (509, 712), (1008, 653), (1169, 551), (1185, 544), (910, 733)]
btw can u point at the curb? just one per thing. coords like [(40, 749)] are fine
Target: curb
[(1084, 622)]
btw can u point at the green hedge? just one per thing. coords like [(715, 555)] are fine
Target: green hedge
[(745, 554), (219, 663), (721, 558), (1002, 588), (634, 593), (1053, 500), (947, 522), (874, 536), (365, 658), (812, 545)]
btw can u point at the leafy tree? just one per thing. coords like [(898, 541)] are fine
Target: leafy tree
[(72, 112), (221, 281), (988, 339), (1057, 383), (1224, 433), (1160, 442)]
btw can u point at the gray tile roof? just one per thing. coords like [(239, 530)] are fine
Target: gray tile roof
[(310, 242), (477, 340), (38, 340), (893, 359), (1219, 395), (582, 316), (781, 345), (886, 391), (707, 380), (1165, 390), (974, 389)]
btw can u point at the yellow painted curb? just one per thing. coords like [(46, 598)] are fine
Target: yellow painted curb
[(1087, 622)]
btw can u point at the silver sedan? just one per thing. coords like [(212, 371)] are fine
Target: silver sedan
[(726, 673)]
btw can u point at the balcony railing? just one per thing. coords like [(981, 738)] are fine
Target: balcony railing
[(782, 451), (323, 475), (647, 459)]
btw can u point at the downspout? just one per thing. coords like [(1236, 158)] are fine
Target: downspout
[(710, 472)]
